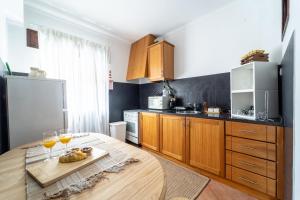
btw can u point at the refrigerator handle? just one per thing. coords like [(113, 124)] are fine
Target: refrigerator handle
[(65, 114), (65, 110)]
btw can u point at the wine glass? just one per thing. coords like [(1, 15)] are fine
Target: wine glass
[(49, 140), (65, 137)]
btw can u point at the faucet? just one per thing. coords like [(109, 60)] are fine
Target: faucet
[(195, 105)]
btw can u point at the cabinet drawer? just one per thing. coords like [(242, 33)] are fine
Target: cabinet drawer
[(254, 181), (254, 148), (252, 164), (252, 131)]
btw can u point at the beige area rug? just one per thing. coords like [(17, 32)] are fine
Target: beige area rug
[(182, 182)]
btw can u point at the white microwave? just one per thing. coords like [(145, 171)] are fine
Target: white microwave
[(158, 102)]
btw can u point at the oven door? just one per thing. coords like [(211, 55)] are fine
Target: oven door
[(132, 128)]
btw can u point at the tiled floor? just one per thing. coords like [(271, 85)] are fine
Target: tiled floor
[(218, 191)]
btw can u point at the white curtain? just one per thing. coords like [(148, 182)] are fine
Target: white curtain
[(84, 66)]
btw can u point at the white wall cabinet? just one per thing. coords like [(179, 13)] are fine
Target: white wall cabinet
[(254, 84)]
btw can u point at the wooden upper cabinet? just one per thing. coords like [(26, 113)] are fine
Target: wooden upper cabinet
[(149, 129), (205, 144), (137, 64), (161, 61), (172, 136)]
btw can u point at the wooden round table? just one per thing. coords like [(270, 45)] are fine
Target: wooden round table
[(143, 180)]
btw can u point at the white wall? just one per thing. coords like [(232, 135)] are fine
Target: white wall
[(119, 61), (214, 43), (9, 10), (13, 9), (22, 58), (211, 44), (3, 38)]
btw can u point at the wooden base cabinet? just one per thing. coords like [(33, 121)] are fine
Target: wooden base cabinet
[(254, 152), (149, 130), (172, 136), (205, 144), (252, 180), (254, 157)]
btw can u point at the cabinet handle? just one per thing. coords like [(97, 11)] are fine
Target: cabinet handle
[(248, 164), (248, 180), (247, 131)]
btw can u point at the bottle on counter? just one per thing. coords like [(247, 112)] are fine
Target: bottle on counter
[(204, 107)]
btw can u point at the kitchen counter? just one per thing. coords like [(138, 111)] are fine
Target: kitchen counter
[(272, 122)]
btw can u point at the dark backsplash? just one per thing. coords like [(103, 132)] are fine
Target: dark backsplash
[(287, 110), (124, 96), (3, 116), (214, 89)]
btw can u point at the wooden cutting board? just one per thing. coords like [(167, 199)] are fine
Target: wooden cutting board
[(49, 172)]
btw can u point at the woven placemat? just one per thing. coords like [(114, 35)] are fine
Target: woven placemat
[(83, 179)]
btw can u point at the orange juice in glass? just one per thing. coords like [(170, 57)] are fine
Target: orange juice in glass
[(65, 137), (49, 140), (49, 143)]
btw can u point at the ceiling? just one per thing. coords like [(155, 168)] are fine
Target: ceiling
[(132, 19)]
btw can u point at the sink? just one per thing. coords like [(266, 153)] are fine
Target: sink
[(154, 110), (188, 112)]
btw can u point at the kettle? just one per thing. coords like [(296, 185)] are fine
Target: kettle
[(172, 102)]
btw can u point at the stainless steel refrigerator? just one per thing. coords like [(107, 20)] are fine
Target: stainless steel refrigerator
[(34, 105)]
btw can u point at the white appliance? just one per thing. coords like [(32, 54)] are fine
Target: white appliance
[(34, 105), (118, 130), (132, 126), (158, 102)]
